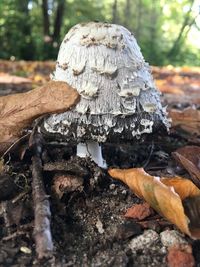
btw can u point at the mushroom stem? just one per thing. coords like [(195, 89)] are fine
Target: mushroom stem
[(93, 150)]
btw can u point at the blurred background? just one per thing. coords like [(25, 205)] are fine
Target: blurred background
[(168, 31)]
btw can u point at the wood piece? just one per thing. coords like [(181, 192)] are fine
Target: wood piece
[(66, 166), (42, 230)]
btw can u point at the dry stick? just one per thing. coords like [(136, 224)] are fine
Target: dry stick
[(42, 231)]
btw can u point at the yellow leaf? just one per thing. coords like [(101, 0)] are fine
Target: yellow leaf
[(165, 195)]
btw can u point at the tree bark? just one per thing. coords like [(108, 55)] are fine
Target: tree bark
[(46, 23), (139, 19), (176, 45), (127, 13), (58, 19), (114, 12)]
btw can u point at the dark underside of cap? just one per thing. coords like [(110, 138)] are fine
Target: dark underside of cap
[(123, 128)]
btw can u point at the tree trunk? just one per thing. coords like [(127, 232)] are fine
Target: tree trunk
[(127, 13), (152, 30), (28, 48), (114, 12), (177, 43), (58, 20), (139, 19), (46, 24)]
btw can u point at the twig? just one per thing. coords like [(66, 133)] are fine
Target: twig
[(42, 231), (12, 145), (22, 231), (149, 156), (6, 217)]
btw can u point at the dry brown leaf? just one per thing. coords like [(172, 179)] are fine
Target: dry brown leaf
[(187, 119), (19, 110), (189, 158), (165, 195)]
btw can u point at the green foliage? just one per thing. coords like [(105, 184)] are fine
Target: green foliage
[(161, 27)]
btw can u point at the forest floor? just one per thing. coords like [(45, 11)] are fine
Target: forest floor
[(88, 224)]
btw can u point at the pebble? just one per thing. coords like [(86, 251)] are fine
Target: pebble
[(145, 240), (124, 192), (99, 226), (25, 250), (180, 255), (112, 186), (172, 237)]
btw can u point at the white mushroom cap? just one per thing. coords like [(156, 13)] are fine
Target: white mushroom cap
[(118, 96)]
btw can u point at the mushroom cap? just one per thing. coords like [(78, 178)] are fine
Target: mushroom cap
[(119, 99)]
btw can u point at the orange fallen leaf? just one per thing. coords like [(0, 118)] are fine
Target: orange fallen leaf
[(165, 87), (189, 158), (138, 211), (165, 195), (19, 110)]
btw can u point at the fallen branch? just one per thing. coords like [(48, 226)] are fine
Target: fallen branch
[(42, 230)]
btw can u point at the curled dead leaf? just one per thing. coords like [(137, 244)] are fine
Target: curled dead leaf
[(189, 158), (19, 110), (165, 195)]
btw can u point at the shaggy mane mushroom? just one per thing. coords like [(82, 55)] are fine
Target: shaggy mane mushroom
[(119, 100)]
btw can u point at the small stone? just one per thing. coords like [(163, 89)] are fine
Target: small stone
[(25, 250), (112, 186), (139, 211), (124, 192), (172, 237), (180, 255), (115, 193), (147, 239), (99, 226)]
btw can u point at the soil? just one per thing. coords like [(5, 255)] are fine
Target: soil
[(88, 226)]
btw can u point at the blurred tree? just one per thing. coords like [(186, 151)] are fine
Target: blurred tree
[(114, 12), (187, 22), (33, 29), (52, 33), (127, 13), (16, 29)]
